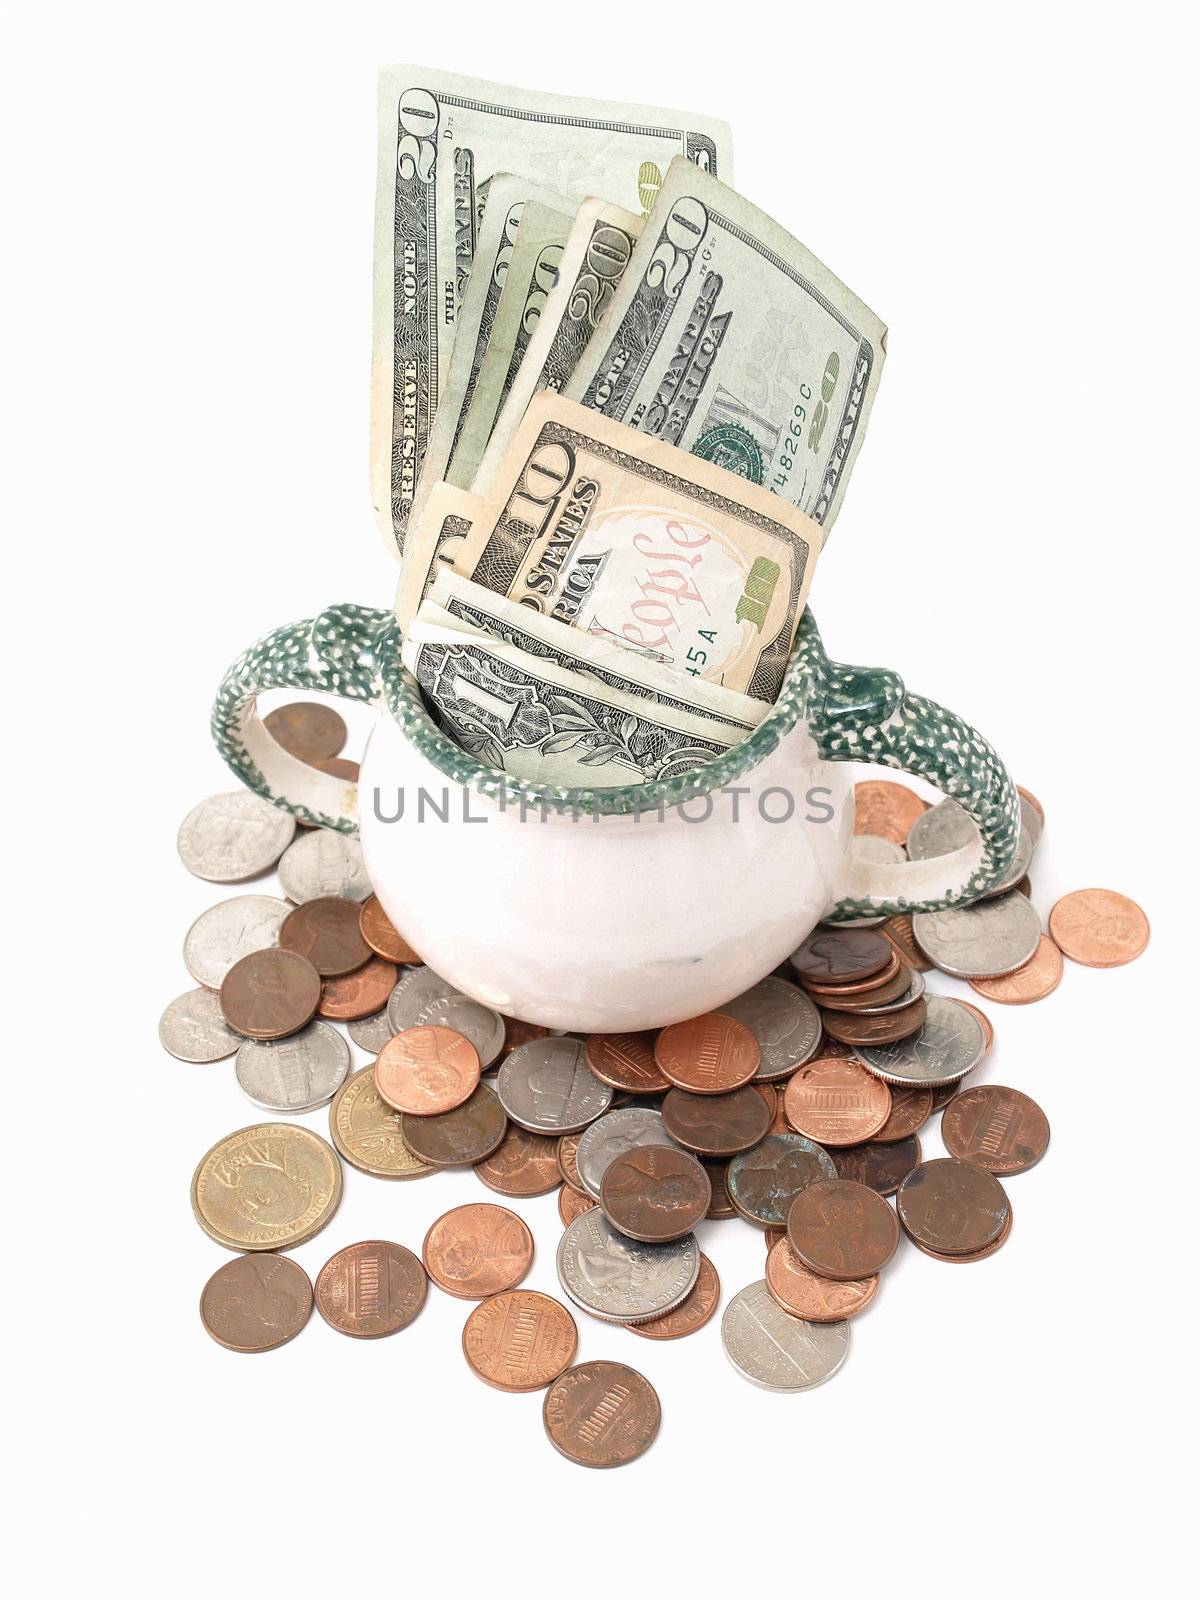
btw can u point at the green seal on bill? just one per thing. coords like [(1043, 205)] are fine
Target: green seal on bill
[(733, 447)]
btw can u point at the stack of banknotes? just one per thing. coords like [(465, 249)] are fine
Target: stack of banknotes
[(615, 408)]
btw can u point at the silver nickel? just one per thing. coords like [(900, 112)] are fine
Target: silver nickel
[(785, 1022), (611, 1136), (985, 940), (418, 988), (226, 932), (324, 864), (372, 1033), (546, 1086), (776, 1350), (234, 836), (617, 1279), (295, 1074), (949, 1046), (483, 1027), (193, 1029)]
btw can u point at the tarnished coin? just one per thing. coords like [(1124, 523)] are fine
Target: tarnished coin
[(377, 929), (477, 1250), (836, 1101), (720, 1207), (692, 1312), (295, 1074), (885, 809), (1001, 1130), (618, 1279), (1039, 977), (626, 1061), (887, 992), (234, 836), (950, 1045), (951, 1206), (307, 730), (784, 1021), (611, 1136), (965, 1257), (426, 1071), (899, 931), (326, 932), (711, 1054), (483, 1027), (1099, 928), (269, 994), (419, 987), (324, 865), (519, 1340), (601, 1414), (357, 994), (267, 1187), (572, 1204), (842, 1229), (886, 1028), (547, 1086), (368, 1134), (193, 1029), (655, 1193), (841, 955), (522, 1164), (718, 1124), (776, 1350), (371, 1289), (882, 1167), (459, 1138), (256, 1303), (763, 1182), (911, 1109), (980, 941), (517, 1032), (806, 1294), (223, 934), (371, 1033)]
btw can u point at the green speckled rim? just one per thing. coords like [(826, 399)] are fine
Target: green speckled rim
[(853, 714)]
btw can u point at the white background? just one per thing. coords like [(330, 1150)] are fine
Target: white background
[(189, 197)]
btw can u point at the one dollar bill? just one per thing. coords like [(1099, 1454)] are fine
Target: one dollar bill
[(433, 541)]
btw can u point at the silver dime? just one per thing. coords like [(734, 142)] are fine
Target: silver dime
[(295, 1074), (192, 1028), (776, 1350), (372, 1033), (985, 940), (617, 1279), (234, 836), (916, 988), (324, 864), (947, 827), (546, 1086), (949, 1045), (785, 1022), (611, 1136), (483, 1027), (226, 932), (419, 987)]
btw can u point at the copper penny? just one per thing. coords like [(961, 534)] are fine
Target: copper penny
[(882, 1167), (842, 1230), (951, 1206), (357, 994), (691, 1313), (711, 1054), (1039, 977), (910, 1110), (601, 1414), (841, 955), (886, 809), (886, 1028), (1001, 1130), (568, 1144), (426, 1070), (518, 1033), (720, 1207), (895, 984), (522, 1164), (626, 1061), (806, 1295), (900, 931), (376, 928), (772, 1236), (989, 1039), (269, 994), (371, 1289), (1099, 928), (655, 1193), (519, 1340), (458, 1138), (1024, 886), (885, 977), (763, 1182), (477, 1250), (833, 1047), (836, 1101), (943, 1093), (970, 1255), (1032, 800), (337, 767), (256, 1302), (573, 1203), (307, 730), (719, 1124), (326, 931)]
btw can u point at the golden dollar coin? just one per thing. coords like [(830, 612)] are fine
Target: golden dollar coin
[(267, 1187), (367, 1132)]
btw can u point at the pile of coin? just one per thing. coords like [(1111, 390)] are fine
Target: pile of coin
[(796, 1107)]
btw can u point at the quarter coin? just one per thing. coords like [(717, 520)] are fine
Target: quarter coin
[(618, 1279), (763, 1182), (371, 1289), (223, 934), (256, 1303), (711, 1054), (324, 865), (949, 1045), (783, 1020), (234, 836), (193, 1029), (1001, 1130), (836, 1101), (984, 940), (477, 1250), (267, 1187), (371, 1033), (611, 1136), (718, 1124), (269, 994), (326, 932), (295, 1074), (655, 1193), (692, 1312), (519, 1340), (776, 1350), (952, 1207), (461, 1137), (369, 1134), (807, 1295), (842, 1230), (484, 1028), (425, 1071), (546, 1086), (415, 990), (601, 1414), (1099, 928)]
